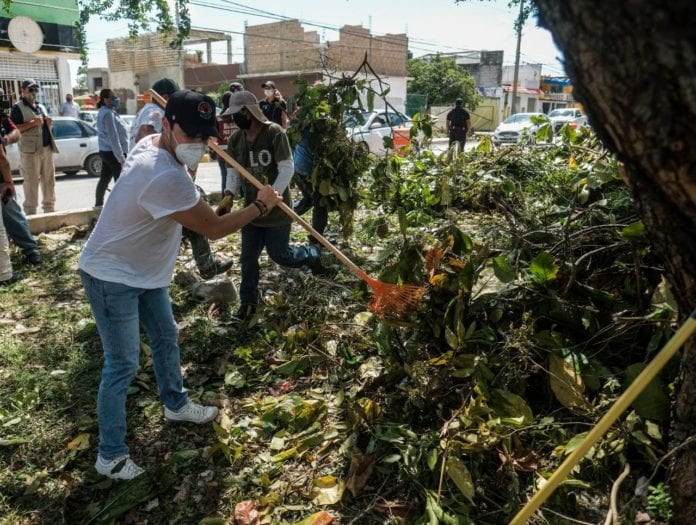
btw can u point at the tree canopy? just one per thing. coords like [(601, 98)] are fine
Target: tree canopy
[(442, 80)]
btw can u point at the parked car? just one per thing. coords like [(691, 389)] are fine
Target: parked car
[(375, 126), (517, 128), (570, 116), (89, 116), (77, 142)]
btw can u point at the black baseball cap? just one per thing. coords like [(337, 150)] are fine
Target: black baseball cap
[(29, 82), (194, 112), (165, 86), (268, 84)]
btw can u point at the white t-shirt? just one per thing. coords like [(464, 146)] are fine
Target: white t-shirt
[(135, 241), (150, 115)]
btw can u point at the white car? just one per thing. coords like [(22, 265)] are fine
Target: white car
[(374, 127), (516, 128), (89, 116), (77, 142), (571, 116)]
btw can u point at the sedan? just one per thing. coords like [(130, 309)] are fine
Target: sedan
[(77, 142), (374, 126), (571, 116), (517, 128)]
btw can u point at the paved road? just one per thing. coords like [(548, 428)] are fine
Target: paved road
[(77, 191)]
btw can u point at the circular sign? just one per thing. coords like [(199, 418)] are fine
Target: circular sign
[(25, 34)]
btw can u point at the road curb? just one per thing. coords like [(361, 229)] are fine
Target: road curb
[(47, 222)]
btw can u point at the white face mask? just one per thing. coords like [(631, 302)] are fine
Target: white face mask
[(268, 92), (189, 154)]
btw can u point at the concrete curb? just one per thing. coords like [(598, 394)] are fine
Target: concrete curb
[(47, 222)]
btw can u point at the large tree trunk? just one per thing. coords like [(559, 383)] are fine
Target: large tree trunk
[(633, 66)]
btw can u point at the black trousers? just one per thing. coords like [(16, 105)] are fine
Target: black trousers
[(111, 169)]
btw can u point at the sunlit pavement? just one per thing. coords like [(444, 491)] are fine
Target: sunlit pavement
[(77, 191)]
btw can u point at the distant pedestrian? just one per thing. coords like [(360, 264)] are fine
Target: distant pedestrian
[(69, 108), (113, 141), (458, 124), (36, 148), (273, 105)]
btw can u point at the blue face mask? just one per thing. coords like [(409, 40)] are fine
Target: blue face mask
[(115, 102)]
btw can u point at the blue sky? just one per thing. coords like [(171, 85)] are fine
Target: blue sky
[(441, 26)]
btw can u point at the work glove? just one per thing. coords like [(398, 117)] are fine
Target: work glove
[(225, 205)]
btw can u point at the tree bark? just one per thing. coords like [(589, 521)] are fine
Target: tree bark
[(633, 67)]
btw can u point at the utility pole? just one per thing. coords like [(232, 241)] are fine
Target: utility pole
[(179, 47), (516, 74)]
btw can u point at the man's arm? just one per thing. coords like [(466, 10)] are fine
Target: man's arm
[(202, 219), (13, 135)]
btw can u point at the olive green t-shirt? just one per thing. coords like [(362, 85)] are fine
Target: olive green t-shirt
[(261, 158)]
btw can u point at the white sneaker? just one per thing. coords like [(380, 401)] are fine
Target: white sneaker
[(119, 468), (192, 413)]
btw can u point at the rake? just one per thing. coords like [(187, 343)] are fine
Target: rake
[(388, 299)]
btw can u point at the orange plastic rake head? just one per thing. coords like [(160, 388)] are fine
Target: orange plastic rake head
[(394, 299)]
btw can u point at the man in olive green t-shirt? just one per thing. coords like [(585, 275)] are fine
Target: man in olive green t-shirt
[(263, 149)]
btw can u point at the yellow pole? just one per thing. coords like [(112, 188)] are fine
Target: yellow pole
[(619, 406)]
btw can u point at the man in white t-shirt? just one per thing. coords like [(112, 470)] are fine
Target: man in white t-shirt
[(149, 121), (128, 262)]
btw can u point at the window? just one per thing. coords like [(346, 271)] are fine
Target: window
[(66, 129)]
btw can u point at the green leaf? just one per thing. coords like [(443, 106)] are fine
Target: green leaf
[(509, 405), (502, 269), (543, 268), (653, 401), (634, 230), (457, 471), (451, 338)]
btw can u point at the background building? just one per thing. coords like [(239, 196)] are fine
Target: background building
[(48, 41), (284, 51)]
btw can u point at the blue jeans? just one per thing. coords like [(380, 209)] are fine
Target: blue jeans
[(118, 310), (276, 241), (17, 227)]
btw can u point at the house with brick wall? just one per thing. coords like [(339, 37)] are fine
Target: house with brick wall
[(284, 51), (136, 64)]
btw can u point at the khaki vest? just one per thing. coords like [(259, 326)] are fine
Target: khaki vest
[(31, 140)]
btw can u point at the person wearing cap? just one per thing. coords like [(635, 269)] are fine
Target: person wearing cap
[(235, 86), (273, 105), (458, 124), (13, 219), (128, 261), (36, 148), (149, 121), (263, 149), (113, 141)]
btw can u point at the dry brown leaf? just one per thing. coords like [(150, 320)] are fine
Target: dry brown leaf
[(245, 513), (361, 466)]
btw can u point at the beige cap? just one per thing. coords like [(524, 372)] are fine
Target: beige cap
[(245, 99)]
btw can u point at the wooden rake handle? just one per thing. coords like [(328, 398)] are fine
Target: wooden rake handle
[(357, 271)]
